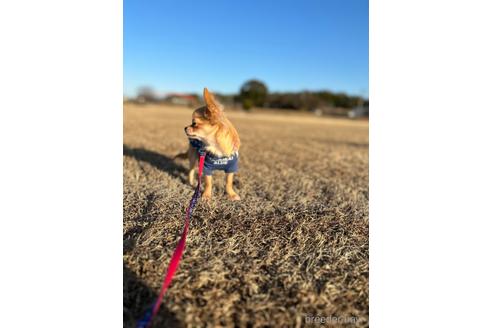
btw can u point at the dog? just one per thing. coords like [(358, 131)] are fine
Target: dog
[(213, 132)]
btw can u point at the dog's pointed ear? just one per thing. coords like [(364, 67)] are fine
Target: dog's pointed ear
[(214, 108)]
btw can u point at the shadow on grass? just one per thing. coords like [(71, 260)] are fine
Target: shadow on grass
[(138, 299), (159, 161)]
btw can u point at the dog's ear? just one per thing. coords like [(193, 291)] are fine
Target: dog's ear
[(214, 108)]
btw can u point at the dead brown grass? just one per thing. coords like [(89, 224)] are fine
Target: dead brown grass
[(296, 245)]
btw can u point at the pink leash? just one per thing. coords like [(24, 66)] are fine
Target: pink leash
[(178, 252)]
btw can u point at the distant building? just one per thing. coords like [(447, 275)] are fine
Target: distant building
[(359, 111), (181, 99)]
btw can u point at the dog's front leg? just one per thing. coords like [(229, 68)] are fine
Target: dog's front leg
[(193, 160), (207, 190), (229, 189)]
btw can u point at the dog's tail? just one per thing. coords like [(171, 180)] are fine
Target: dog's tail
[(181, 155)]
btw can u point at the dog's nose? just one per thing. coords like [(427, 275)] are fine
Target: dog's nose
[(186, 129)]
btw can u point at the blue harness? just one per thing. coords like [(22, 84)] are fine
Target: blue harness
[(214, 163)]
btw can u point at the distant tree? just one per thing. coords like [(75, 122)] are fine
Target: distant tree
[(309, 101), (327, 98), (247, 103), (344, 101), (284, 100), (253, 93), (146, 94)]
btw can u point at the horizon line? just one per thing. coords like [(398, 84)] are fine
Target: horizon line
[(167, 92)]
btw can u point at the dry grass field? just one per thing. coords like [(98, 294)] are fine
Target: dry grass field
[(297, 243)]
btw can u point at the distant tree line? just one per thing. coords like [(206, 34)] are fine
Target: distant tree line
[(254, 93)]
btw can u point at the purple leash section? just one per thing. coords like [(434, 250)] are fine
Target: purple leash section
[(178, 252)]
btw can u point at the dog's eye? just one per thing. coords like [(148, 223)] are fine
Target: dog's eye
[(193, 124)]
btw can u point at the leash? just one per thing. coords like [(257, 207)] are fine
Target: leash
[(178, 252)]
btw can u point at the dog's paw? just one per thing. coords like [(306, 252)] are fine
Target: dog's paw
[(207, 195), (233, 196)]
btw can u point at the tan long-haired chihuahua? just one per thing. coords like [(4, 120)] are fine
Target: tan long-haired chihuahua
[(213, 132)]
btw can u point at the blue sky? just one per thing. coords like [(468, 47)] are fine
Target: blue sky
[(183, 46)]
